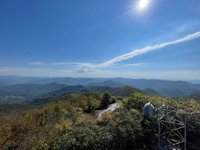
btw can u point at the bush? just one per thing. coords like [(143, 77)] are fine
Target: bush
[(125, 127), (86, 137), (136, 101)]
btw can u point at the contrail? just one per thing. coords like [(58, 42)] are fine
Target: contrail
[(144, 50)]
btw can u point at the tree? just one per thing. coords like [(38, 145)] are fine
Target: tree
[(105, 101), (90, 107)]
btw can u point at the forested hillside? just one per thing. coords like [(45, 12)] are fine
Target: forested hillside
[(38, 94), (70, 123), (154, 87)]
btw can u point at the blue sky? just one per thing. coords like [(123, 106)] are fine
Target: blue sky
[(100, 38)]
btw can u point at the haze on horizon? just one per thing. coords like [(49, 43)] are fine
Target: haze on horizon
[(153, 39)]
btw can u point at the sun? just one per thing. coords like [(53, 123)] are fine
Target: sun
[(143, 4), (140, 8)]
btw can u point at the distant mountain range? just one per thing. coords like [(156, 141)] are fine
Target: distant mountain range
[(23, 92), (115, 91), (32, 87)]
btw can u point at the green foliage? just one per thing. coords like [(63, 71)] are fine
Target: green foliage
[(41, 145), (65, 124), (149, 130), (28, 91), (85, 137), (90, 107), (193, 131), (126, 128), (107, 100), (136, 101), (12, 108)]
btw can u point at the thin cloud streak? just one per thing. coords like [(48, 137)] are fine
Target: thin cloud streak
[(37, 63), (88, 67), (133, 65), (58, 63), (67, 63), (167, 75), (144, 50)]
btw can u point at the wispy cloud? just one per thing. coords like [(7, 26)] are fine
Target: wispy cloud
[(76, 64), (89, 67), (174, 75), (37, 63), (66, 63), (59, 63), (80, 67), (133, 65), (147, 49), (34, 72), (187, 27), (84, 67)]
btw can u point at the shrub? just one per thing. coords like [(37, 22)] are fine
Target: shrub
[(86, 137)]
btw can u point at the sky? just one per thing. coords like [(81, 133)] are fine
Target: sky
[(153, 39)]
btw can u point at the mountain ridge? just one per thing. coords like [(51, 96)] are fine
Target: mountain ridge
[(160, 87)]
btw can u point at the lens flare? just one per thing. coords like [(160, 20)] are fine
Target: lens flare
[(143, 4)]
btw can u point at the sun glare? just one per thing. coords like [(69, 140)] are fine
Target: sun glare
[(140, 7), (143, 4)]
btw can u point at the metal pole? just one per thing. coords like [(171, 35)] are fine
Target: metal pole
[(159, 144), (185, 134)]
